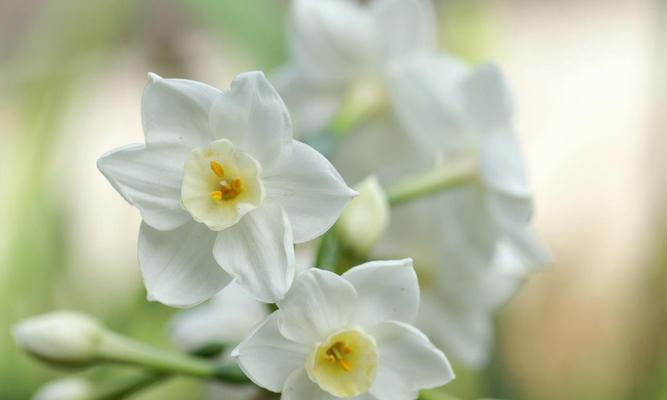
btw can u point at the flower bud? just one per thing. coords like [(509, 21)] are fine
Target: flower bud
[(63, 337), (65, 389), (366, 217)]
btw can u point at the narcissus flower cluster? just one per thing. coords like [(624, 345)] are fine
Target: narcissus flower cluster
[(225, 193)]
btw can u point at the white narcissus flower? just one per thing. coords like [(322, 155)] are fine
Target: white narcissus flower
[(346, 336), (471, 116), (343, 49), (451, 113), (221, 183), (457, 303)]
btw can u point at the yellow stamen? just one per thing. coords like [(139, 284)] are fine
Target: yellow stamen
[(217, 169), (216, 195), (336, 354)]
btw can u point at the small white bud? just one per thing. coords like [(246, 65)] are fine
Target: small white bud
[(366, 217), (62, 337), (65, 389)]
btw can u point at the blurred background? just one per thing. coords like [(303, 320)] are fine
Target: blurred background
[(589, 80)]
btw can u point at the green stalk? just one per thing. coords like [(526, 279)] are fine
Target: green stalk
[(119, 349), (442, 177), (121, 388), (362, 103), (435, 395)]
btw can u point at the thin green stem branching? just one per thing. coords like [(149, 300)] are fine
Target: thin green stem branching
[(442, 177), (119, 349)]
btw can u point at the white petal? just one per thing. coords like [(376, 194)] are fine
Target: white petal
[(501, 163), (387, 290), (319, 303), (457, 309), (488, 99), (258, 251), (394, 150), (469, 233), (178, 265), (466, 334), (528, 244), (252, 115), (332, 41), (177, 110), (150, 179), (227, 318), (300, 387), (409, 362), (406, 27), (455, 226), (427, 99), (267, 358), (310, 190), (513, 215), (312, 105)]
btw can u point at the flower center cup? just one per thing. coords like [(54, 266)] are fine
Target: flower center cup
[(221, 184), (345, 364)]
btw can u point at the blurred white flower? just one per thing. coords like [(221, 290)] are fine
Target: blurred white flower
[(345, 336), (225, 319), (366, 217), (65, 389), (451, 113), (62, 337), (470, 116), (220, 182), (343, 51), (457, 303)]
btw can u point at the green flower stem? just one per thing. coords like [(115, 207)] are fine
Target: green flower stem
[(328, 254), (442, 177), (332, 255), (119, 349), (435, 395), (123, 387), (362, 103)]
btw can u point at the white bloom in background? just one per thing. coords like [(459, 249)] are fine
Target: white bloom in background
[(364, 221), (221, 183), (342, 50), (346, 336), (457, 303), (452, 113), (470, 116), (65, 389), (226, 319), (62, 337)]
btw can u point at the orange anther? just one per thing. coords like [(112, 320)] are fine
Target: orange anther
[(217, 169)]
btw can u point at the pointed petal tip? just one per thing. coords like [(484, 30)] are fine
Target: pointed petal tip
[(236, 352), (153, 77)]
